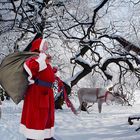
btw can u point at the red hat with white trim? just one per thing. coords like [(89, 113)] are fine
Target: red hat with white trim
[(39, 45)]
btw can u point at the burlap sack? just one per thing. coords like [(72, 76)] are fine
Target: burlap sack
[(13, 77)]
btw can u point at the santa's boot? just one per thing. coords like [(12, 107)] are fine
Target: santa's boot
[(59, 102)]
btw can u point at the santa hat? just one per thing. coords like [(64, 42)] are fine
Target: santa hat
[(38, 45), (55, 69)]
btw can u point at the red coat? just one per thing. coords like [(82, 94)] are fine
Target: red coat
[(37, 121)]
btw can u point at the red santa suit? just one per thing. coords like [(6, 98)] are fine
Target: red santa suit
[(37, 121)]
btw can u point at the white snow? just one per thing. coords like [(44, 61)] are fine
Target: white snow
[(111, 124)]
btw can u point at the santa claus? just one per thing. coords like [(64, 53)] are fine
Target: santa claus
[(37, 121)]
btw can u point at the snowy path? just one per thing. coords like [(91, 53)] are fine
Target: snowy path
[(111, 124)]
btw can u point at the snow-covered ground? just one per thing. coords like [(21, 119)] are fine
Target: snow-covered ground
[(111, 124)]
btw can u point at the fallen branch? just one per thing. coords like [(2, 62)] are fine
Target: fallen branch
[(133, 118)]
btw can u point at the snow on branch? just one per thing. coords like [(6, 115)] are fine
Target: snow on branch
[(87, 68), (127, 45), (115, 60), (95, 14)]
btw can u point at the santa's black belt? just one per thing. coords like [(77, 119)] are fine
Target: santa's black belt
[(43, 83)]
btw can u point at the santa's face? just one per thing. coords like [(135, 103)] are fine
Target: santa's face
[(44, 47)]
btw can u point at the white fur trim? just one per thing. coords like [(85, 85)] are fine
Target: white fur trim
[(41, 45), (31, 81), (36, 134), (42, 61)]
